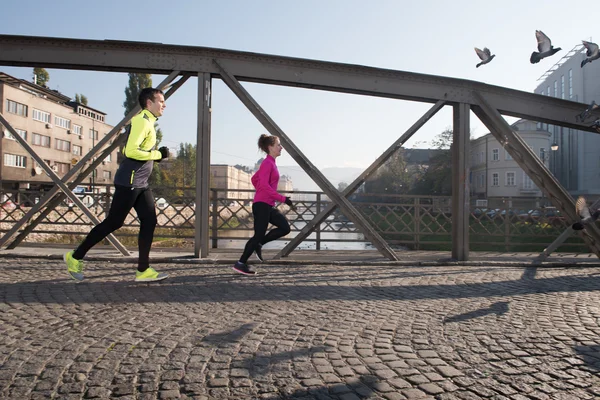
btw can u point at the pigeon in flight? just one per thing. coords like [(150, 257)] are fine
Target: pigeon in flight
[(584, 213), (592, 52), (485, 56), (596, 125), (545, 48), (585, 114)]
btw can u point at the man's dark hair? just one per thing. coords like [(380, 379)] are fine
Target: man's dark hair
[(148, 94)]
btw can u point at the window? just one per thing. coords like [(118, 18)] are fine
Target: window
[(495, 180), (527, 182), (562, 87), (93, 134), (542, 154), (507, 156), (510, 179), (21, 133), (40, 140), (13, 160), (77, 129), (548, 91), (37, 165), (480, 181), (495, 154), (16, 108), (41, 116), (62, 145), (106, 174), (570, 84), (77, 150), (61, 168), (62, 122), (555, 88), (481, 158), (108, 158)]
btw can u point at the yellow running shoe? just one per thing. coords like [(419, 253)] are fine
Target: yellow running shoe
[(149, 275), (74, 267)]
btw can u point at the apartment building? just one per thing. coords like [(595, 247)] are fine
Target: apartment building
[(495, 175), (58, 129)]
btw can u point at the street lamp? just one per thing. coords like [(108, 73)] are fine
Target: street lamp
[(554, 146)]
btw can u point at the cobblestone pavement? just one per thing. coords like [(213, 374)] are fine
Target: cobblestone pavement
[(302, 332)]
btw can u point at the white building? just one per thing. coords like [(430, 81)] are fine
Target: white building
[(495, 175), (577, 164)]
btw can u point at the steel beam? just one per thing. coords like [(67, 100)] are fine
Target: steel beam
[(351, 188), (307, 166), (460, 182), (44, 200), (203, 166), (532, 165), (123, 56)]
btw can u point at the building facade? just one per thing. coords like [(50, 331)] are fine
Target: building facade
[(577, 165), (494, 174), (232, 179), (59, 130)]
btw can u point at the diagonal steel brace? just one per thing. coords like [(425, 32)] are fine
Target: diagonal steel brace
[(351, 188)]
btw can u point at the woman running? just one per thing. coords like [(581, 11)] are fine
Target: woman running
[(265, 182)]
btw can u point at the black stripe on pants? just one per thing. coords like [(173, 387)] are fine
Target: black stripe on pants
[(263, 215), (124, 199)]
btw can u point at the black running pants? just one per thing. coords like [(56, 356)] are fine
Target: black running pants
[(124, 199), (263, 215)]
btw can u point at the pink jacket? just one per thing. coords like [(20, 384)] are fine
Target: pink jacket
[(265, 182)]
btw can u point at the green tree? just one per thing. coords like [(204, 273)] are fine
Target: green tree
[(41, 76), (393, 177), (81, 99), (342, 186), (137, 82), (437, 178)]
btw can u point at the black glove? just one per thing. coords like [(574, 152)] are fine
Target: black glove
[(577, 226), (164, 152), (288, 201)]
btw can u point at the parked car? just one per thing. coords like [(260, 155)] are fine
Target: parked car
[(550, 215)]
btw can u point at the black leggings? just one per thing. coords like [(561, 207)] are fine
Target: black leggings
[(263, 215), (124, 200)]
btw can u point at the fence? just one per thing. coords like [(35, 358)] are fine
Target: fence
[(408, 222)]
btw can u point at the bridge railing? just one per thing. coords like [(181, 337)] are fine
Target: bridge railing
[(406, 222)]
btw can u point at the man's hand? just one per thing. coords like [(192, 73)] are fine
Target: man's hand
[(164, 152)]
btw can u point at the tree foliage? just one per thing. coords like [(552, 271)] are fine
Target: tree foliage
[(81, 99), (393, 177), (437, 178), (137, 82), (41, 76)]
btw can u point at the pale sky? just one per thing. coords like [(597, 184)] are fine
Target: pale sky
[(333, 130)]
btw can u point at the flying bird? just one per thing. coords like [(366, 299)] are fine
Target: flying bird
[(485, 56), (596, 125), (584, 213), (545, 48), (592, 52), (585, 114)]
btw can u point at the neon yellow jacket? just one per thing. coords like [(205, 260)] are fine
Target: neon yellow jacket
[(136, 168)]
